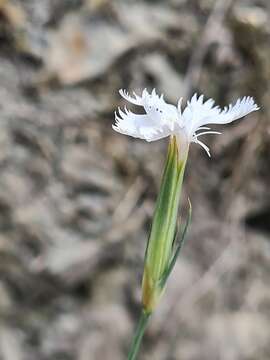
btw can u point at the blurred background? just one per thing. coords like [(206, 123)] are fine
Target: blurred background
[(76, 198)]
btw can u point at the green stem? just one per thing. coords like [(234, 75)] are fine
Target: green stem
[(136, 342)]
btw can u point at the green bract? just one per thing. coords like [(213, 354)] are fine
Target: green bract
[(160, 250)]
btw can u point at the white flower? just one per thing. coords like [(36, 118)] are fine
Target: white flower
[(161, 119)]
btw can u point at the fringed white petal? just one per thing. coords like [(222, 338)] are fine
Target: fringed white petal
[(198, 113), (137, 100), (139, 126), (159, 121), (241, 108)]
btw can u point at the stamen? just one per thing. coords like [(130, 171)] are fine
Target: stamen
[(206, 148), (179, 105), (203, 128), (207, 132)]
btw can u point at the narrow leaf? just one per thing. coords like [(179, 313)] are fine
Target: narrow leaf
[(178, 248)]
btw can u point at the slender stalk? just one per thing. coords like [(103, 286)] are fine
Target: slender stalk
[(137, 338)]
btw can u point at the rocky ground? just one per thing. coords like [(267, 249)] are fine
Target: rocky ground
[(76, 198)]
